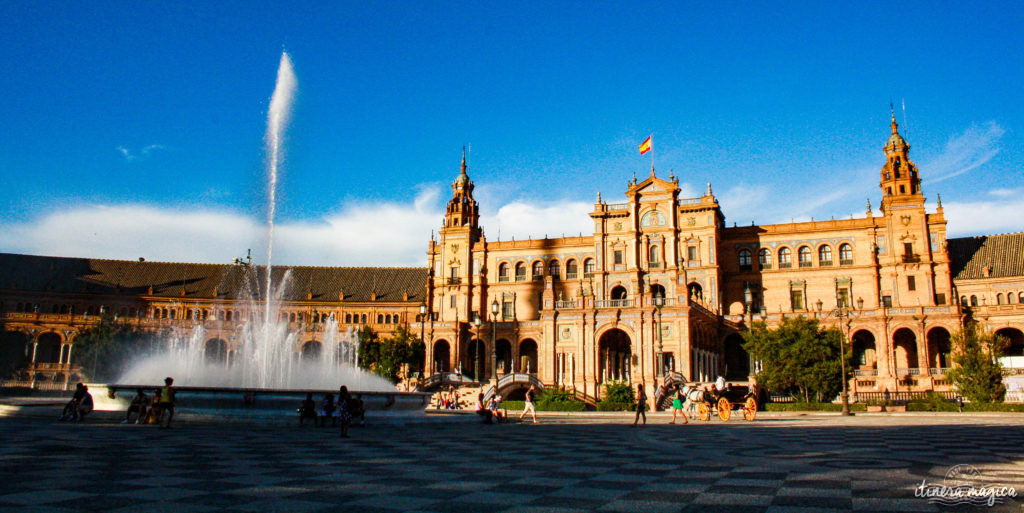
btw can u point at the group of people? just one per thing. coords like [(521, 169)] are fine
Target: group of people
[(343, 412), (491, 411), (151, 409), (449, 399)]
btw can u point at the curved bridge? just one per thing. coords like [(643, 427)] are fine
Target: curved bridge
[(435, 381), (663, 396), (512, 381)]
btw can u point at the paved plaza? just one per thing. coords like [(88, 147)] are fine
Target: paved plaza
[(564, 464)]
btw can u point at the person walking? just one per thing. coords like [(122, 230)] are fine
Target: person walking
[(641, 404), (677, 406), (344, 410), (166, 400), (528, 407)]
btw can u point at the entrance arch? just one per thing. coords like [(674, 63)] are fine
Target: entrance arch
[(311, 350), (528, 356), (615, 356), (904, 344), (48, 348), (504, 349), (215, 350), (1015, 347), (442, 356), (475, 364), (619, 293), (865, 356), (939, 348), (737, 360)]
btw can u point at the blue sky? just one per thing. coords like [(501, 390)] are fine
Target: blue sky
[(138, 130)]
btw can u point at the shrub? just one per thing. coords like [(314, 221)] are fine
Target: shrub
[(613, 406), (812, 407), (931, 402), (618, 396)]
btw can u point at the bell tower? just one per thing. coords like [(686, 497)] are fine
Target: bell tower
[(463, 212), (900, 182)]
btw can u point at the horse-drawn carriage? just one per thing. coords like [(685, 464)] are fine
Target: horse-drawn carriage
[(733, 397)]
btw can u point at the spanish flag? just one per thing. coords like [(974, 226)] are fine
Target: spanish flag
[(646, 145)]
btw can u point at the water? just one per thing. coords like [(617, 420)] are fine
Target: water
[(269, 352)]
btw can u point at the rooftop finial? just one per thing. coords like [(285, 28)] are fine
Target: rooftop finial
[(892, 115), (939, 198), (709, 189), (869, 205), (598, 197), (463, 160)]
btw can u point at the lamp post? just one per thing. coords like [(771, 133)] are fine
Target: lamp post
[(763, 314), (477, 357), (423, 319), (494, 343), (842, 314)]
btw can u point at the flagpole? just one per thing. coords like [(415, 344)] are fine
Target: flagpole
[(651, 137)]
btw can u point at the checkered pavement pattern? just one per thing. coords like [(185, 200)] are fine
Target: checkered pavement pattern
[(562, 465)]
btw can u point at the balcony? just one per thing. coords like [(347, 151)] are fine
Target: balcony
[(503, 278), (846, 262), (570, 276), (454, 281), (865, 372), (765, 266), (785, 265), (910, 258), (654, 265), (614, 303), (520, 277), (805, 264), (938, 371), (538, 277), (562, 305), (588, 274), (825, 263), (908, 372)]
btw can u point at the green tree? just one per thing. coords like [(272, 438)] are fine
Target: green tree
[(386, 356), (977, 373), (103, 351), (798, 356)]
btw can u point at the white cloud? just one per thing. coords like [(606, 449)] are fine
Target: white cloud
[(144, 152), (965, 152), (983, 217), (359, 234)]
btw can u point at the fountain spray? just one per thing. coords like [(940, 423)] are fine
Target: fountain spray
[(277, 117)]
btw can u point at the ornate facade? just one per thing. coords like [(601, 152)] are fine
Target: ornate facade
[(661, 285)]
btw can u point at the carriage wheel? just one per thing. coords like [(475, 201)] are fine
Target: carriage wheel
[(750, 409), (724, 409), (704, 410)]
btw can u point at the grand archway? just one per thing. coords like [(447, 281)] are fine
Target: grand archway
[(939, 348), (48, 348), (311, 350), (215, 351), (615, 356), (528, 356), (864, 352), (475, 364), (737, 360), (442, 356), (1015, 341), (504, 349), (904, 344)]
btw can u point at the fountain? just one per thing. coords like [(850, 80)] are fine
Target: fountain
[(264, 374)]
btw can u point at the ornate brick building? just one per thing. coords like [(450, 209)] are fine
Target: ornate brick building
[(661, 285)]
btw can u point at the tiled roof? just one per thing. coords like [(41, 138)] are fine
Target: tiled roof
[(166, 279), (1003, 253)]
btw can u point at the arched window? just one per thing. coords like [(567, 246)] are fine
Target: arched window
[(785, 258), (364, 318), (389, 320), (588, 268), (228, 315), (348, 318), (654, 254), (825, 255), (555, 269), (570, 270), (845, 254), (1009, 298), (520, 272), (1020, 297), (974, 300), (744, 259), (963, 300), (538, 270), (503, 271), (804, 256), (999, 298), (619, 293), (764, 258), (55, 309)]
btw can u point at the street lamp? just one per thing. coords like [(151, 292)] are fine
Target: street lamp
[(494, 343), (477, 359), (843, 314), (423, 319)]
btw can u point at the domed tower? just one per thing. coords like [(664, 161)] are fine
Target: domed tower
[(900, 182), (463, 210)]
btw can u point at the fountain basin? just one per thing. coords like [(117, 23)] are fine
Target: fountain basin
[(234, 403)]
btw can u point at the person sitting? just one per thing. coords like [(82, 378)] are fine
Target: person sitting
[(481, 409), (358, 410), (139, 406), (494, 405), (307, 410), (72, 406), (155, 411), (84, 406), (327, 411)]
